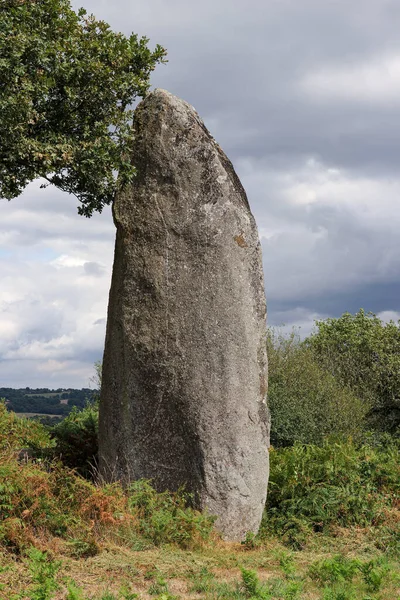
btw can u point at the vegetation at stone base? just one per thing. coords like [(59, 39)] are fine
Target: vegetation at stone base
[(363, 353), (306, 401), (68, 83), (339, 483), (45, 401), (42, 500), (337, 502)]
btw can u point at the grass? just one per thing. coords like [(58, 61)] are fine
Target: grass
[(223, 571)]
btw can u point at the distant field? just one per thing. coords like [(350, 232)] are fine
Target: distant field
[(28, 415), (44, 395)]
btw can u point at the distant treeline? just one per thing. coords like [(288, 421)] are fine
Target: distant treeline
[(46, 401)]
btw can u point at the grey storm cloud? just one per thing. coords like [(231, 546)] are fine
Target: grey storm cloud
[(304, 97), (93, 268)]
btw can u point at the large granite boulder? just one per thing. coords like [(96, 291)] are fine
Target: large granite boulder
[(184, 384)]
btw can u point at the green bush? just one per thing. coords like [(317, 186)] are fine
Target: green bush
[(250, 582), (338, 483), (17, 432), (363, 352), (306, 402), (76, 440), (43, 571)]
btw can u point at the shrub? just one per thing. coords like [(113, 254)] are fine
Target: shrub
[(250, 583), (342, 483), (363, 353), (306, 401), (49, 500), (373, 573), (76, 440), (43, 570), (17, 432)]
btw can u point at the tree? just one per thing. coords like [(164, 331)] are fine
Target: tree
[(306, 401), (364, 353), (67, 87)]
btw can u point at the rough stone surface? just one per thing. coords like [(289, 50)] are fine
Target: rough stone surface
[(185, 366)]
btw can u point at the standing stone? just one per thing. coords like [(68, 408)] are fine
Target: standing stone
[(184, 385)]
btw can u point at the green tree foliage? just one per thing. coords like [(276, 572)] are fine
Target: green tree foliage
[(27, 400), (67, 86), (364, 353), (306, 401)]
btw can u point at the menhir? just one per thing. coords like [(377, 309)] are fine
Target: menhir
[(184, 385)]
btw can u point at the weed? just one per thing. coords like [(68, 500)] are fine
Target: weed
[(43, 570), (250, 582), (201, 581), (81, 548), (339, 482), (278, 588), (286, 562), (166, 517), (332, 570), (74, 592), (225, 591), (251, 541), (340, 593), (127, 594), (373, 573), (158, 587)]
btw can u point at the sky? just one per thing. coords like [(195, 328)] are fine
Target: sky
[(304, 97)]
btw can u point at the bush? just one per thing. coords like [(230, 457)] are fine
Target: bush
[(76, 440), (17, 432), (363, 353), (306, 402), (49, 501), (338, 483), (339, 568)]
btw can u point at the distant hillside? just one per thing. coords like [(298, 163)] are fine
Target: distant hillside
[(46, 401)]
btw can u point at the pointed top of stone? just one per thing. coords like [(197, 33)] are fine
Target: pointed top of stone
[(176, 112), (169, 130), (162, 96)]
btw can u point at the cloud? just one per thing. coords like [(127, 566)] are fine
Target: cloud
[(94, 269), (389, 315), (324, 231), (371, 82), (299, 319), (55, 281)]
